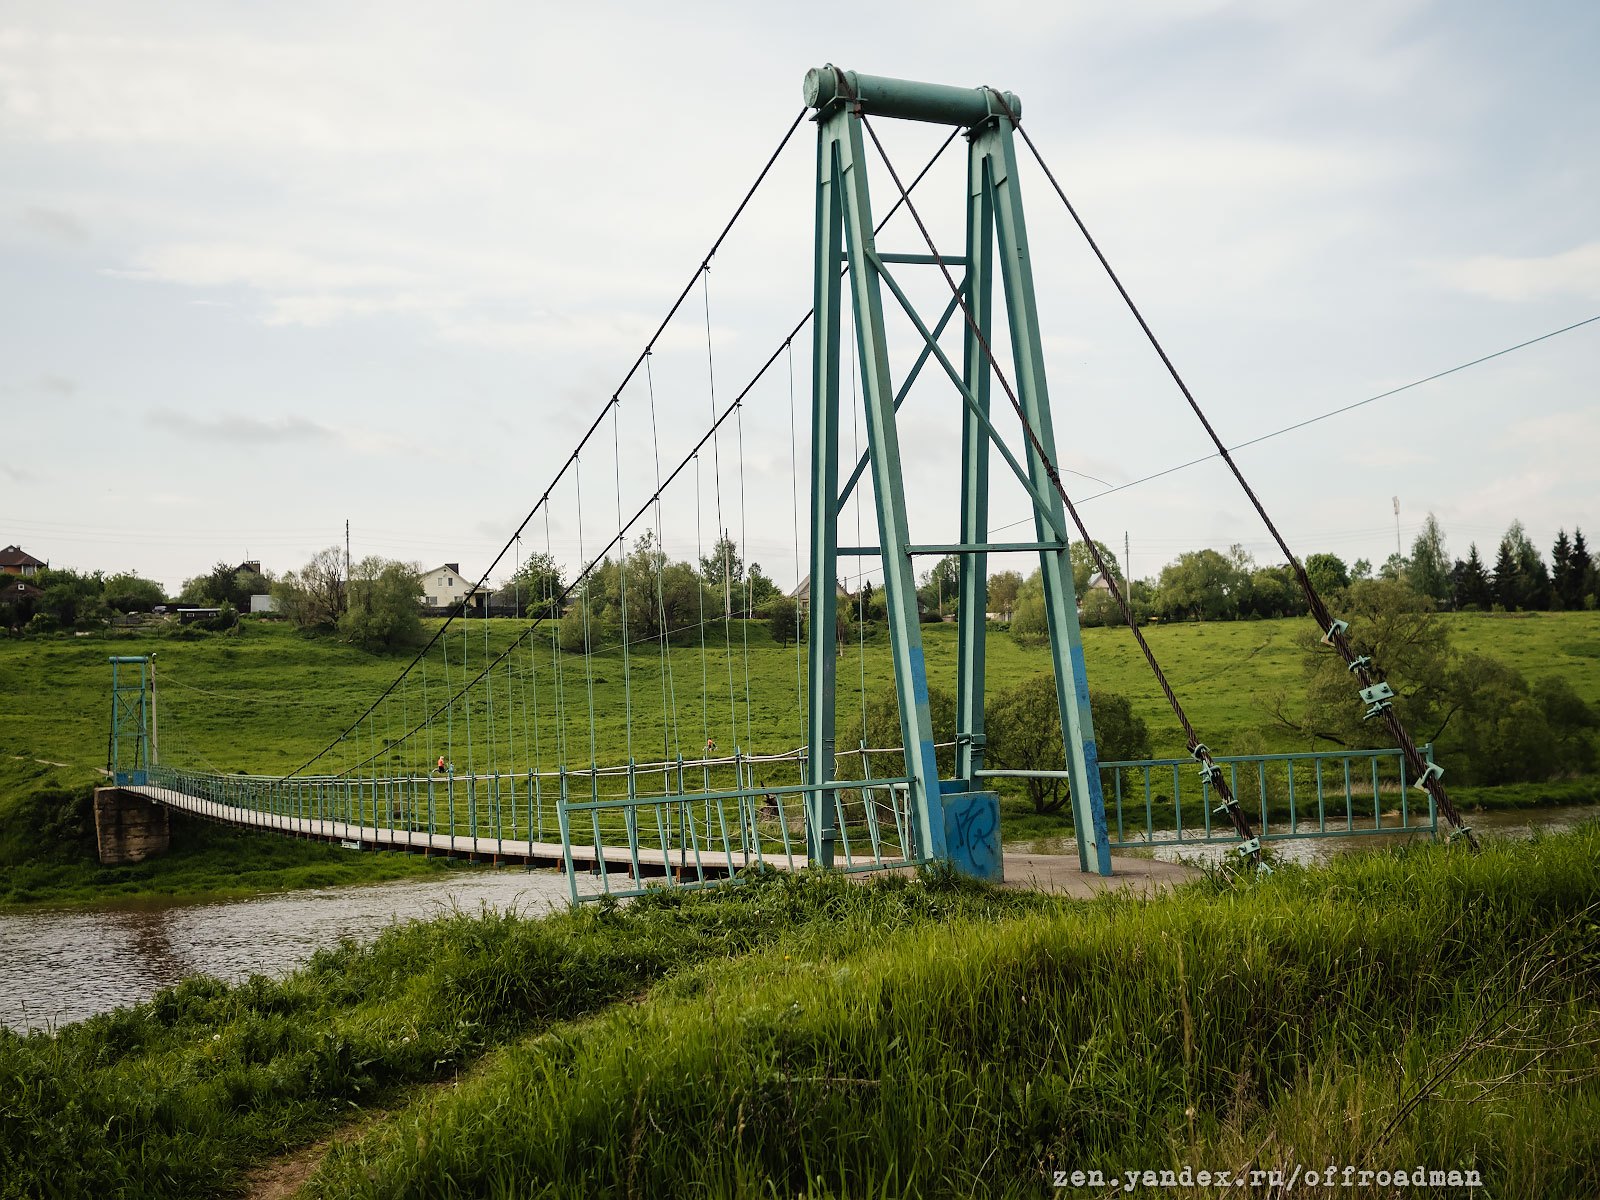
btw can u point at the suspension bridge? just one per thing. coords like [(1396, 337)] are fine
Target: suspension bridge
[(521, 746)]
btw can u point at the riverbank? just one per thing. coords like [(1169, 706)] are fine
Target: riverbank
[(47, 852), (899, 1037)]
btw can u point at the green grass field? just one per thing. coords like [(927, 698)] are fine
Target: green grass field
[(266, 700)]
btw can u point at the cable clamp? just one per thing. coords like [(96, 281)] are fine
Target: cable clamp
[(1262, 869), (1377, 698), (1199, 752), (1465, 831), (1334, 631), (1209, 771), (1433, 771), (1360, 664), (1246, 849), (1231, 802)]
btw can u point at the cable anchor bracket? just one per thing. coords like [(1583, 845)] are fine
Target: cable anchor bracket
[(1378, 698)]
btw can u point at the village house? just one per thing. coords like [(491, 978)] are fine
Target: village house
[(443, 587), (14, 560)]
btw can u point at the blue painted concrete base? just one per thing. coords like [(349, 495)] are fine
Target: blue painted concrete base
[(972, 834)]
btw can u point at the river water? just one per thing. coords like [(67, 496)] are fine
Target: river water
[(61, 965)]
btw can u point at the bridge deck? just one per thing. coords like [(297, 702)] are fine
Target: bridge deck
[(651, 861)]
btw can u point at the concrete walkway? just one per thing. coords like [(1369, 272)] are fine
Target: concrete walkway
[(1060, 873)]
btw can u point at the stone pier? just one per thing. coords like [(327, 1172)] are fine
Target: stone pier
[(128, 827)]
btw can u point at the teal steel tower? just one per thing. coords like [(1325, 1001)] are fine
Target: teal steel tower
[(996, 246), (128, 751)]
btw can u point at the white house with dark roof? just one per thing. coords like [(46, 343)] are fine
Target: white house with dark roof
[(444, 587)]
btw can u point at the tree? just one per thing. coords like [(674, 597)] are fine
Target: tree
[(127, 592), (314, 596), (1398, 630), (1473, 590), (1023, 728), (757, 591), (385, 599), (783, 621), (1202, 584), (940, 586), (1582, 573), (1360, 569), (70, 596), (1084, 568), (882, 727), (1327, 573), (1506, 587), (1030, 624), (1560, 570), (225, 584), (1394, 567), (1003, 589), (1521, 580), (536, 586), (1429, 570), (723, 570)]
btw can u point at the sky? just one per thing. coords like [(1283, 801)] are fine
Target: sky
[(274, 268)]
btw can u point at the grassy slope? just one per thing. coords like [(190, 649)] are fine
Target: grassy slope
[(268, 699), (815, 1036)]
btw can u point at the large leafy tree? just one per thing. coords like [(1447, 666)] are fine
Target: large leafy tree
[(1327, 573), (384, 609), (1023, 727), (314, 597), (70, 596), (536, 586), (1202, 585), (1003, 588), (127, 592)]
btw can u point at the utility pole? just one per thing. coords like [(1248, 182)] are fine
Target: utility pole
[(1398, 553), (347, 550), (1127, 570)]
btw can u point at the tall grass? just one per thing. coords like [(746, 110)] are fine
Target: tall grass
[(169, 1098), (1418, 1008)]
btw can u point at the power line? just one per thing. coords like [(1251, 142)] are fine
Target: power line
[(1332, 412)]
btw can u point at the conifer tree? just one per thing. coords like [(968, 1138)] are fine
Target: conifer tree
[(1473, 588)]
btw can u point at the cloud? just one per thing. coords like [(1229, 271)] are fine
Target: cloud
[(262, 267), (1571, 272), (242, 431), (53, 223), (245, 431), (56, 385)]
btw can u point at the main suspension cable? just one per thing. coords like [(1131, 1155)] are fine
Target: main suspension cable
[(760, 373), (1335, 632), (615, 399)]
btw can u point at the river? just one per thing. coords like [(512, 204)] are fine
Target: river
[(62, 964), (65, 964)]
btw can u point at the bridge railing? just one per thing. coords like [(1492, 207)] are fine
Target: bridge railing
[(1161, 802), (714, 818)]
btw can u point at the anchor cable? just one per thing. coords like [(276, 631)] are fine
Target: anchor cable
[(1334, 632)]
